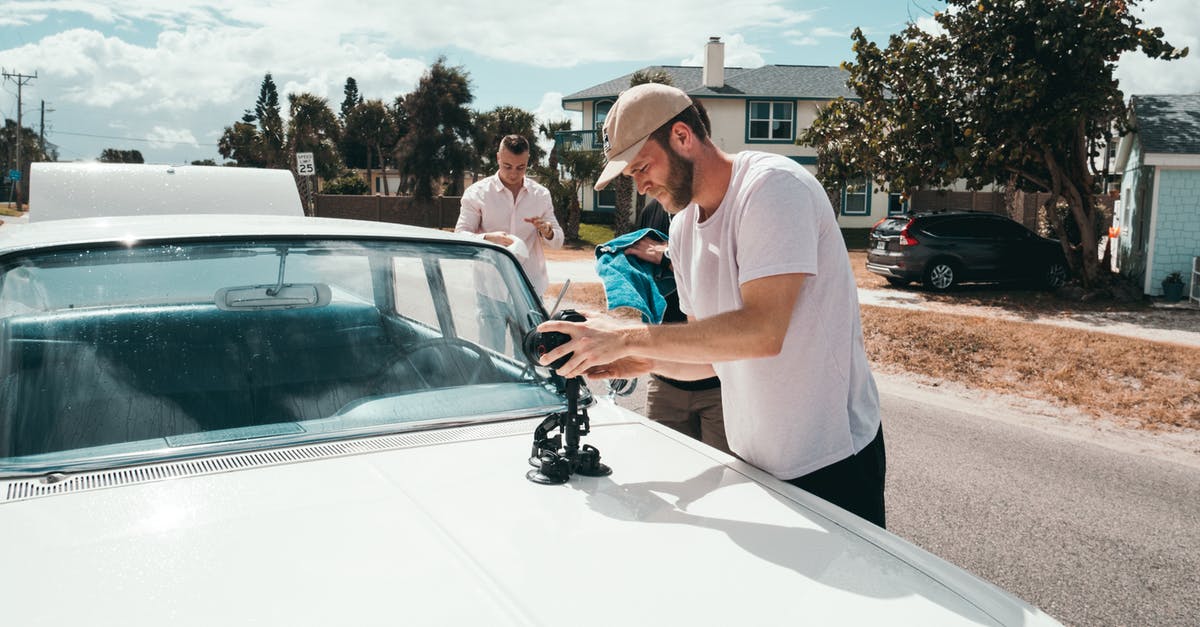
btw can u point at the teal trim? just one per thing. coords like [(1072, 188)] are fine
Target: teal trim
[(791, 139), (866, 200), (604, 208), (595, 107), (804, 160)]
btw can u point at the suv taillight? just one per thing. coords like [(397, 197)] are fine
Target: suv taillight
[(905, 238)]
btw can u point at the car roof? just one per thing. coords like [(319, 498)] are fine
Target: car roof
[(177, 227), (61, 191)]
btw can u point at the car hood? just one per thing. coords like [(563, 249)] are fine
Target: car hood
[(444, 528)]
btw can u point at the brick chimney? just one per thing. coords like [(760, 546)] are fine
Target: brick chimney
[(714, 63)]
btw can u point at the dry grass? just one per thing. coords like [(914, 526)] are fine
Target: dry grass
[(1146, 383)]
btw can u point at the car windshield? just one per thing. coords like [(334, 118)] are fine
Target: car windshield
[(146, 352)]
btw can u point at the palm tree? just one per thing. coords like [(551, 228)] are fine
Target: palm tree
[(561, 192), (439, 127), (370, 125), (313, 127)]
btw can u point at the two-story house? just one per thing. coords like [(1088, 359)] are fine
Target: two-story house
[(761, 108)]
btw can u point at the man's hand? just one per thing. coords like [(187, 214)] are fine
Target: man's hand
[(648, 249), (624, 368), (544, 227), (594, 343), (499, 237)]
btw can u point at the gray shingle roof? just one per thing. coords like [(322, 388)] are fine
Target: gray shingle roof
[(1168, 124), (774, 81)]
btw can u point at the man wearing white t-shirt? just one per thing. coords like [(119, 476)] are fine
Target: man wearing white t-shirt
[(513, 211), (764, 278)]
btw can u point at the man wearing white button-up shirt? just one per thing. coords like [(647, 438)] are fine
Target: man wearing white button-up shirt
[(506, 207)]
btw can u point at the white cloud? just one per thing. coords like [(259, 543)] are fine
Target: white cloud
[(1180, 21), (199, 63), (162, 137), (815, 36), (930, 25)]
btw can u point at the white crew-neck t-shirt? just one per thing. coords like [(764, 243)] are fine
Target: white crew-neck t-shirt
[(815, 403)]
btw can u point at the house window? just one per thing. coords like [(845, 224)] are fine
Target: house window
[(771, 121), (856, 197), (606, 199), (599, 114), (896, 205)]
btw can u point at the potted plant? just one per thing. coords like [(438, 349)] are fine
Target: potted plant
[(1173, 286)]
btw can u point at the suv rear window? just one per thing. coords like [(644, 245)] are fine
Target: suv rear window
[(891, 226)]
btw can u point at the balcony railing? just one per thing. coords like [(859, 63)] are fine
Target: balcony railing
[(578, 140)]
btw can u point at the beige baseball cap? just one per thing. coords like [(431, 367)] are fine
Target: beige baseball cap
[(638, 112)]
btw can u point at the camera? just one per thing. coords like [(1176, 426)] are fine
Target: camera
[(537, 343)]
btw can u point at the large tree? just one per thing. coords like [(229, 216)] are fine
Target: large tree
[(1010, 91), (491, 126), (313, 127), (241, 143), (352, 98), (436, 145), (117, 155), (562, 191), (371, 128), (582, 167), (270, 125)]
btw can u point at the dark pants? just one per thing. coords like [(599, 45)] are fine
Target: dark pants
[(854, 484)]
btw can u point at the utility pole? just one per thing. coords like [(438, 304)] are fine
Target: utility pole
[(42, 130), (20, 80)]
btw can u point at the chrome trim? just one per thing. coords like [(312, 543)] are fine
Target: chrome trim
[(57, 483)]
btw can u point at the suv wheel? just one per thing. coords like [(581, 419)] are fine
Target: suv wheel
[(1055, 276), (940, 275)]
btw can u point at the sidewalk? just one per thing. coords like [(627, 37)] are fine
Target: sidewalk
[(1175, 326)]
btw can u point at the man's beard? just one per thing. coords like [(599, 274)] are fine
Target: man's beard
[(679, 179)]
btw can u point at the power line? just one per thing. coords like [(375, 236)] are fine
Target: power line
[(133, 139)]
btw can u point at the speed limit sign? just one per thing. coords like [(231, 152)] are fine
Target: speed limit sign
[(304, 164)]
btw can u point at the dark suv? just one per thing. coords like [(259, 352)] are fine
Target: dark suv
[(946, 248)]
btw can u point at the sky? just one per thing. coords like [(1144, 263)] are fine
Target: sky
[(166, 78)]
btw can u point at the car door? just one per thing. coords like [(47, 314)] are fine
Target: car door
[(960, 237), (1019, 257)]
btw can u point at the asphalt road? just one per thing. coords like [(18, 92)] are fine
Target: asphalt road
[(1085, 529)]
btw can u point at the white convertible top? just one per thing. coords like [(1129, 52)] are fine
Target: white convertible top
[(60, 191)]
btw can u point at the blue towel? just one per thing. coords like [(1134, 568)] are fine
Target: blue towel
[(632, 282)]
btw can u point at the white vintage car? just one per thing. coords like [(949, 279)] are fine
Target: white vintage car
[(295, 421)]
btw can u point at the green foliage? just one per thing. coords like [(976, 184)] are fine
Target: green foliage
[(370, 130), (347, 185), (435, 145), (116, 155), (1011, 88), (30, 149), (642, 77), (313, 127), (257, 140), (241, 144), (492, 126), (270, 125), (352, 99), (595, 234), (204, 162)]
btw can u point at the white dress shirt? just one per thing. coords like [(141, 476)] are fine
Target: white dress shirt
[(489, 206)]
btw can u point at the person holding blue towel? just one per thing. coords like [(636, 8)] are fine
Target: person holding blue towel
[(692, 408)]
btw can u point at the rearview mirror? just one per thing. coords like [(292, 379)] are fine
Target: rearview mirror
[(290, 296)]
